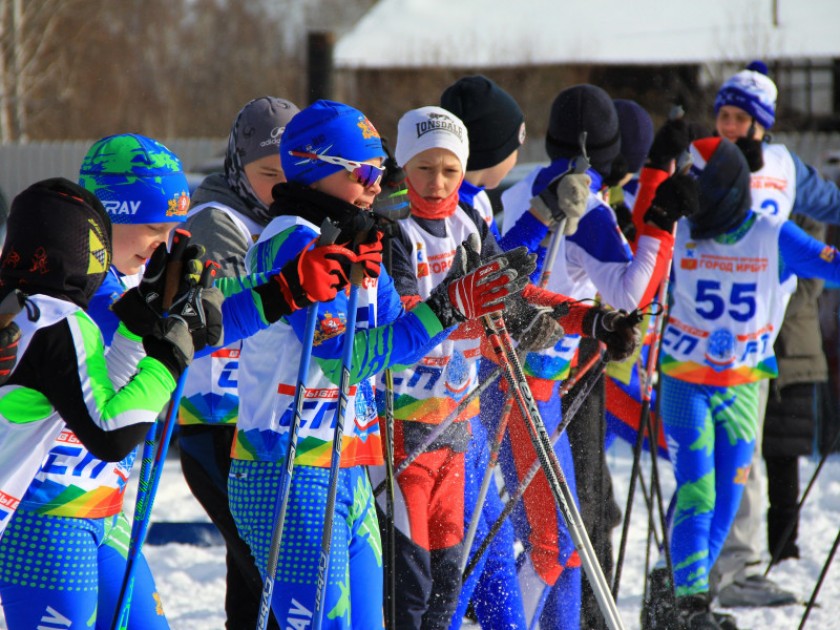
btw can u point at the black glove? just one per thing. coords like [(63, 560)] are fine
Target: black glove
[(618, 330), (170, 343), (625, 220), (543, 331), (141, 307), (199, 305), (753, 152), (676, 197), (669, 142)]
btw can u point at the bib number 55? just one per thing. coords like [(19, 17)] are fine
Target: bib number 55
[(711, 301)]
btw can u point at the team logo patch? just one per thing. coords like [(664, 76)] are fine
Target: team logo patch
[(330, 326), (179, 205), (828, 253), (368, 130), (720, 351)]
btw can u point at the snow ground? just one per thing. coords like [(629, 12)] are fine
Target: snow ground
[(191, 579)]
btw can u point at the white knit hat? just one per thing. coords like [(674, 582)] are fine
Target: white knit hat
[(431, 128)]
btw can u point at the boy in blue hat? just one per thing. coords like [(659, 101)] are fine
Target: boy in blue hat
[(332, 155)]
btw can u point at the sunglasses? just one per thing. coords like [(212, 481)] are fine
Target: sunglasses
[(366, 174)]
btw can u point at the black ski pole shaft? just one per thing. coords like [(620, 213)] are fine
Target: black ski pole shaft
[(795, 516), (818, 585), (386, 428)]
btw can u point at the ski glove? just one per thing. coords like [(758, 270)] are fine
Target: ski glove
[(618, 330), (199, 305), (669, 143), (140, 307), (314, 275), (369, 254), (753, 151), (676, 197), (564, 197), (543, 331), (171, 343), (462, 296)]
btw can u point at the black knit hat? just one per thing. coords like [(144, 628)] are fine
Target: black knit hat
[(584, 108), (636, 129), (723, 181), (495, 122), (58, 242)]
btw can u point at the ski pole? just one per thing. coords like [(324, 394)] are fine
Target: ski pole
[(435, 433), (335, 460), (386, 428), (485, 484), (818, 585), (144, 505), (795, 517), (579, 165), (497, 444), (329, 233), (644, 425), (499, 338), (534, 470)]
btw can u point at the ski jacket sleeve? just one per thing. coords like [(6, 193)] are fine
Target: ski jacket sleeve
[(374, 349), (815, 196), (76, 384), (222, 239), (99, 307), (624, 281), (806, 257)]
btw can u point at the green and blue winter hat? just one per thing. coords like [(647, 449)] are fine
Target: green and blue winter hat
[(137, 179)]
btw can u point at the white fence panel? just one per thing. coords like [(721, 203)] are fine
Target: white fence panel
[(24, 164)]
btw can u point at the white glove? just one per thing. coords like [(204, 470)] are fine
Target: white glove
[(566, 197)]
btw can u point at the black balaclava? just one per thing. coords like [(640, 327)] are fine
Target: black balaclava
[(58, 242), (723, 181)]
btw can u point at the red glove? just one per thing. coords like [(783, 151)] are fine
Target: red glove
[(369, 254), (314, 275), (461, 297)]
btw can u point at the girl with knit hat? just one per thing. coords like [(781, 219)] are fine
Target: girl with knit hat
[(331, 155), (781, 185), (62, 552), (717, 346), (228, 212)]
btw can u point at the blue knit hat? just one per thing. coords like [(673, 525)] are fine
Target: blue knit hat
[(327, 128), (753, 91), (137, 179), (636, 129)]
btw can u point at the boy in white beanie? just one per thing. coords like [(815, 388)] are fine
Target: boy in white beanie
[(432, 147)]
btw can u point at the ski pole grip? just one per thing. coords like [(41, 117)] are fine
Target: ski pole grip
[(175, 265), (208, 274)]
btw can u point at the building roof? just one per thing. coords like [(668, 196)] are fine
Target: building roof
[(497, 33)]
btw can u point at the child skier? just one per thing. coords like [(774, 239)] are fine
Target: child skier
[(331, 155)]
